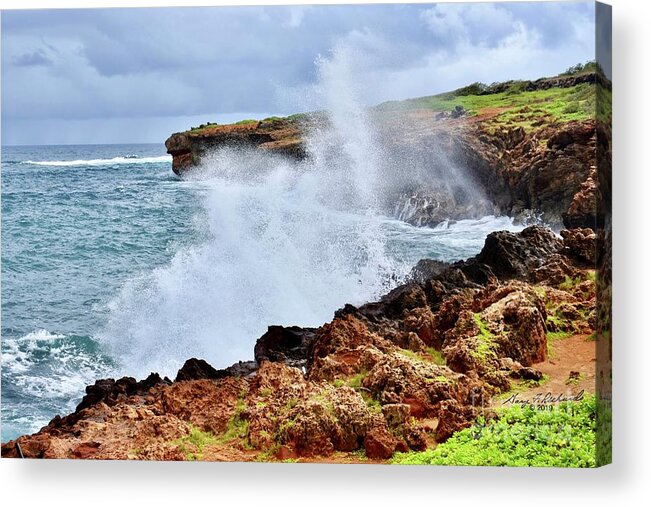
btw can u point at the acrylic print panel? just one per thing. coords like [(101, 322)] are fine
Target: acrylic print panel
[(343, 234)]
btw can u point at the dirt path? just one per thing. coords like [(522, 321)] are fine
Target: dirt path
[(570, 369)]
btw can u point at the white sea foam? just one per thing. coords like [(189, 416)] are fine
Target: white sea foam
[(101, 161), (50, 365)]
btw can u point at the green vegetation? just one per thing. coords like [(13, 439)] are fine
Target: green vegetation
[(512, 105), (540, 291), (486, 345), (268, 455), (557, 335), (237, 427), (441, 379), (589, 67), (373, 404), (565, 319), (204, 126), (575, 379), (273, 119), (509, 104), (265, 392), (360, 454), (134, 453), (290, 404), (437, 356), (570, 283), (192, 445), (431, 355), (560, 436), (301, 116), (246, 122), (356, 381), (282, 434)]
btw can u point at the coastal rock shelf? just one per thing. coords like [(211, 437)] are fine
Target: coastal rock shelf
[(405, 372), (275, 136)]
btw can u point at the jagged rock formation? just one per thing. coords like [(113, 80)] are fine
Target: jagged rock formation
[(401, 373)]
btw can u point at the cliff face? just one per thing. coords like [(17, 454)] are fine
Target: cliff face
[(528, 147), (276, 136)]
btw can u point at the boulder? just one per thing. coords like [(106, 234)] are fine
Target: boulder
[(197, 369), (289, 345), (580, 244), (511, 255), (111, 391), (453, 417), (380, 443)]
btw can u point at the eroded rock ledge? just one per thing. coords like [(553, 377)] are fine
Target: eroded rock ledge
[(401, 373), (279, 136)]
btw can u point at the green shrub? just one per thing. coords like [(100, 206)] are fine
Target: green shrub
[(581, 68), (471, 89), (274, 119), (569, 283), (546, 436)]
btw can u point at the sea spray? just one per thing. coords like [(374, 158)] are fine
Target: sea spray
[(347, 142), (284, 243), (274, 252)]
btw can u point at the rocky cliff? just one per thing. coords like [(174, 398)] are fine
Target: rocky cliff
[(529, 148), (401, 373), (283, 136)]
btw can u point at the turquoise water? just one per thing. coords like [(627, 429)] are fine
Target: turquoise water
[(111, 265), (71, 235)]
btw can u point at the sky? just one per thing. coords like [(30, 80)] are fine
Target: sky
[(137, 75)]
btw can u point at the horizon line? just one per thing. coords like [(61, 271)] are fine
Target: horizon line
[(70, 144)]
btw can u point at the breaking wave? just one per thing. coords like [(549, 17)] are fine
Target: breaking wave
[(101, 161)]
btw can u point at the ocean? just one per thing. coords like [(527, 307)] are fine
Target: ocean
[(112, 265)]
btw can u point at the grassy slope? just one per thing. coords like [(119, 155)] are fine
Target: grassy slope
[(516, 108), (513, 107), (521, 108)]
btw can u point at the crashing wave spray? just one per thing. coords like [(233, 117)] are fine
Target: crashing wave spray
[(348, 140), (283, 243)]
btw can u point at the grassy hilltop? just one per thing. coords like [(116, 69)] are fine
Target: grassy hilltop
[(569, 96)]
